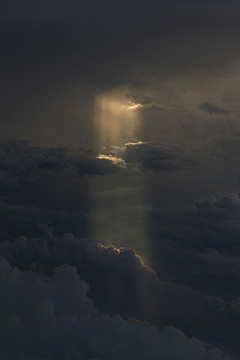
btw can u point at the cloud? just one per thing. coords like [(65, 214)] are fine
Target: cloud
[(150, 106), (52, 318), (210, 222), (26, 221), (198, 244), (213, 109), (97, 164), (119, 282), (158, 156), (21, 164), (230, 308)]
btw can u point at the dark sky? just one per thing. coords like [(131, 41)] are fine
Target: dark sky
[(120, 180)]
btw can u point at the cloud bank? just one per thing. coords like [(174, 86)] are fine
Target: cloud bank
[(52, 318), (21, 164)]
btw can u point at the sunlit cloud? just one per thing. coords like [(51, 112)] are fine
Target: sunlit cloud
[(115, 160), (150, 106)]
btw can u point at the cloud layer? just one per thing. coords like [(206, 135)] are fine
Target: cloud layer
[(52, 318), (21, 164)]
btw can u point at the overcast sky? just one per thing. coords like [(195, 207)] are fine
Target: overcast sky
[(120, 180)]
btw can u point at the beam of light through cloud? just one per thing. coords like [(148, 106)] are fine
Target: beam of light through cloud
[(117, 206), (114, 124)]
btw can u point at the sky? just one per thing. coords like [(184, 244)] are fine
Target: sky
[(120, 180)]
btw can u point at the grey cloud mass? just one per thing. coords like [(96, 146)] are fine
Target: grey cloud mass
[(209, 223), (27, 220), (130, 289), (159, 156), (21, 164), (213, 109), (230, 308), (53, 318)]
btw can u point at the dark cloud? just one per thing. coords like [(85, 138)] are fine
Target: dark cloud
[(209, 223), (230, 308), (44, 317), (98, 164), (58, 58), (119, 282), (224, 308), (26, 220), (158, 156), (21, 164), (213, 109), (198, 245)]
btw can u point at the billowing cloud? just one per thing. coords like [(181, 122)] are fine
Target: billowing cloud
[(130, 289), (52, 318), (213, 109)]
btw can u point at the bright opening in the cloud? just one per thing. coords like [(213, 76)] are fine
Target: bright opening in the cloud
[(114, 123)]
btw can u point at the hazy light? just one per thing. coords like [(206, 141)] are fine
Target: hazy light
[(114, 123), (118, 210)]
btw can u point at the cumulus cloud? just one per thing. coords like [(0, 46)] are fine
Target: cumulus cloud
[(52, 318), (119, 282), (213, 109)]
